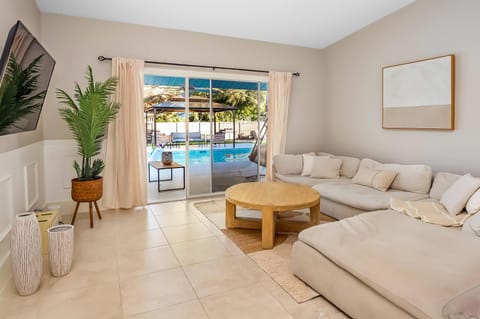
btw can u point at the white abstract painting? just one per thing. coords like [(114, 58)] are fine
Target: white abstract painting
[(419, 94)]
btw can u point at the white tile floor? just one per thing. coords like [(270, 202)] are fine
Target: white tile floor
[(161, 261)]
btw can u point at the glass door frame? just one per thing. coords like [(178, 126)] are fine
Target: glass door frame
[(211, 76)]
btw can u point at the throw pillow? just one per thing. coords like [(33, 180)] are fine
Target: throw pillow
[(473, 204), (308, 163), (288, 164), (378, 179), (349, 165), (324, 167), (457, 195)]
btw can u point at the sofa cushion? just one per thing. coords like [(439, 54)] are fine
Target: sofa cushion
[(307, 180), (362, 197), (349, 165), (473, 204), (415, 178), (441, 183), (308, 163), (472, 225), (288, 163), (377, 179), (456, 196), (418, 267), (326, 167)]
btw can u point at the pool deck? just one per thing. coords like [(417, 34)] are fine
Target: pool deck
[(224, 174)]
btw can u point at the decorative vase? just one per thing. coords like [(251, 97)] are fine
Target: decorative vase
[(60, 249), (26, 252), (167, 157)]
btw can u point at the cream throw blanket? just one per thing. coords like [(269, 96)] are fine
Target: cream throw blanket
[(428, 211)]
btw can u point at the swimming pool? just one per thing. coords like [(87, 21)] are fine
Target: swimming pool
[(202, 156)]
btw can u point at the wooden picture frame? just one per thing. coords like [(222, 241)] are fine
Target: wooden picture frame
[(419, 95)]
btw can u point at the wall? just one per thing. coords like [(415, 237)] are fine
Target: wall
[(21, 155), (424, 29), (76, 42)]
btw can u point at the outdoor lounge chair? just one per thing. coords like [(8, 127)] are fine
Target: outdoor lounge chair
[(219, 138), (179, 137)]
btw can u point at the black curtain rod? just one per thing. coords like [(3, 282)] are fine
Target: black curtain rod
[(102, 58)]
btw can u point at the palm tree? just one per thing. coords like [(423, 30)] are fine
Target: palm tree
[(17, 93), (88, 115)]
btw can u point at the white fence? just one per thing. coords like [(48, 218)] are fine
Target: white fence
[(242, 128)]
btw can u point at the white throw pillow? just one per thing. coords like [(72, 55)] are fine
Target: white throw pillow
[(378, 179), (457, 195), (308, 163), (472, 225), (441, 183), (324, 167), (473, 204), (288, 164), (349, 165)]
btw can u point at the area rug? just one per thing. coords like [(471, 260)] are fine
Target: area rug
[(250, 240), (276, 262)]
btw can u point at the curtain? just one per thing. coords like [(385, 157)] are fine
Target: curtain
[(279, 90), (125, 183)]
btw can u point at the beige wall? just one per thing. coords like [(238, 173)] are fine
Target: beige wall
[(76, 42), (424, 29), (27, 12)]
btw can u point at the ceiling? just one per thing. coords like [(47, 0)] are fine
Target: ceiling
[(307, 23)]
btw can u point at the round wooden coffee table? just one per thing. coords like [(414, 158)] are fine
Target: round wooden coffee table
[(271, 198)]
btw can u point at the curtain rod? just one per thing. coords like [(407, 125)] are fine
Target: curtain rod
[(102, 58)]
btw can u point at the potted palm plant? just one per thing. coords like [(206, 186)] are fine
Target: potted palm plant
[(87, 115)]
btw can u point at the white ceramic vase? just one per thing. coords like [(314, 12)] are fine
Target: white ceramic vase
[(60, 249), (26, 253)]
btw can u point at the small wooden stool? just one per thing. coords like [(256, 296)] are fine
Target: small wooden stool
[(90, 211)]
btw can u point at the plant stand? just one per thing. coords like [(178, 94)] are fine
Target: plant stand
[(90, 210)]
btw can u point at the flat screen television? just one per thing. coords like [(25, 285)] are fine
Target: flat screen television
[(25, 72)]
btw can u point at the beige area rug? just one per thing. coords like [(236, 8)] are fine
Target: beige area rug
[(250, 240), (276, 262)]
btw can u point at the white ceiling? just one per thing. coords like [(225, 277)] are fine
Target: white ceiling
[(308, 23)]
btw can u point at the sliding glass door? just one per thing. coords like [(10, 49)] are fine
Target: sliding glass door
[(199, 127), (214, 129)]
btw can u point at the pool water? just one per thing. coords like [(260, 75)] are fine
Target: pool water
[(202, 156)]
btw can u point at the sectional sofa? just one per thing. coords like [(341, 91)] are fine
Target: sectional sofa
[(379, 263)]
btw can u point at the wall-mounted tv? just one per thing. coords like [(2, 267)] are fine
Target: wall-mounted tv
[(25, 72)]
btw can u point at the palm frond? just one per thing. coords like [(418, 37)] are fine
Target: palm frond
[(18, 96), (87, 115)]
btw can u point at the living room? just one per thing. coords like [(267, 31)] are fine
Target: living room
[(335, 107)]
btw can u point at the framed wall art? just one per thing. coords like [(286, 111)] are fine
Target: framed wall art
[(420, 95)]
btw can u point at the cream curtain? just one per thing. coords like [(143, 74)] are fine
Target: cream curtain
[(279, 90), (125, 184)]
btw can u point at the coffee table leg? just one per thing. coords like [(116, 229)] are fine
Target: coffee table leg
[(268, 228), (315, 214), (230, 214)]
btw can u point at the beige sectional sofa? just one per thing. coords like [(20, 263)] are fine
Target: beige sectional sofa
[(341, 198), (378, 263)]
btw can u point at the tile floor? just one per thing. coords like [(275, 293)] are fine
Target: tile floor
[(162, 261)]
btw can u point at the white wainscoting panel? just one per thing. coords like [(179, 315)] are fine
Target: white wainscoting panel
[(6, 198), (22, 180), (30, 172)]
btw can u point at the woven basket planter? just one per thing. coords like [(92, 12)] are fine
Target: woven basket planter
[(60, 249), (87, 191)]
